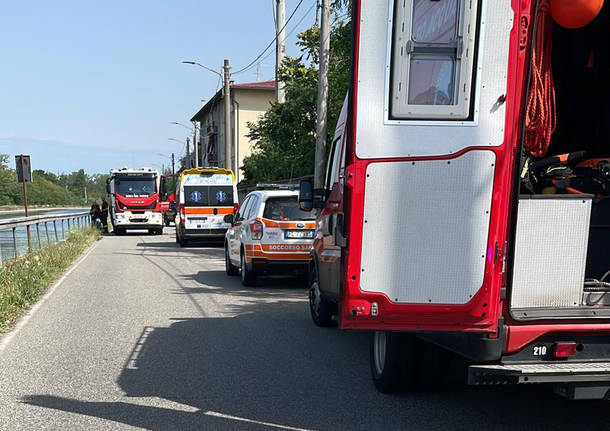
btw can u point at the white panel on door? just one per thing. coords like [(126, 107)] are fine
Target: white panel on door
[(426, 228), (550, 252)]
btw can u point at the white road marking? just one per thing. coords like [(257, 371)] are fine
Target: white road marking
[(252, 421), (23, 320)]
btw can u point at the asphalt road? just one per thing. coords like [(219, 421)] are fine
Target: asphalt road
[(145, 335)]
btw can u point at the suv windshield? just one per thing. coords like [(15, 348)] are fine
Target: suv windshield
[(136, 186), (284, 209)]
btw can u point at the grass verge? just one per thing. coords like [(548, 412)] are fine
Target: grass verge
[(24, 279)]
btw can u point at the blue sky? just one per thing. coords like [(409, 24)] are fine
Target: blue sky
[(95, 85)]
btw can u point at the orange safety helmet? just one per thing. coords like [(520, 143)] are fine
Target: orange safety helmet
[(575, 13)]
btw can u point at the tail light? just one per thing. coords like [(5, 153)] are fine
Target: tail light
[(256, 229), (565, 350), (235, 208), (182, 216)]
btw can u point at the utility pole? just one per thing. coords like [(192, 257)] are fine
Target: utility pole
[(322, 111), (188, 154), (195, 144), (227, 100), (280, 47), (173, 166)]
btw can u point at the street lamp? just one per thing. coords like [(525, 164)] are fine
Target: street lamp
[(188, 154), (227, 109), (195, 144), (171, 158), (194, 63), (180, 124)]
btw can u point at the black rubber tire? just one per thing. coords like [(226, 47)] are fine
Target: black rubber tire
[(229, 267), (248, 277), (320, 308), (395, 371)]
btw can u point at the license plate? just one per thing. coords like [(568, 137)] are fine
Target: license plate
[(299, 234)]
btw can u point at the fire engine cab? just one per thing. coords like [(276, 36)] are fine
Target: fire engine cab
[(466, 204), (134, 200)]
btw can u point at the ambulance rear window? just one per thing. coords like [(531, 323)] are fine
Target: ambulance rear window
[(208, 196), (285, 209)]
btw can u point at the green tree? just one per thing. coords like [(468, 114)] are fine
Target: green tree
[(48, 188), (285, 134)]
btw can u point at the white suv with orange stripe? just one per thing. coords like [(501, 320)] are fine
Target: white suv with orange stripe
[(269, 235)]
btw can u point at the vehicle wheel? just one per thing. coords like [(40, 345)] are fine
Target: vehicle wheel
[(321, 309), (159, 231), (230, 268), (248, 277), (392, 361)]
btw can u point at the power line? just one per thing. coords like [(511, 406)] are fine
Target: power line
[(287, 35), (272, 42)]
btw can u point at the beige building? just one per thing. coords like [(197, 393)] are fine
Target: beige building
[(248, 102)]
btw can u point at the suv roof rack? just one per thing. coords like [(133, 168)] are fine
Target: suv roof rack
[(277, 187)]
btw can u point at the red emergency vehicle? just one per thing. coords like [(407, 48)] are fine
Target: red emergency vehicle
[(134, 200), (466, 200), (167, 202)]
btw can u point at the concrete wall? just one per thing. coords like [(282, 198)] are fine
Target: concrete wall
[(252, 104)]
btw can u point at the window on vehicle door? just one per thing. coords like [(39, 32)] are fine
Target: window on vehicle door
[(433, 56), (333, 164), (252, 209), (242, 210)]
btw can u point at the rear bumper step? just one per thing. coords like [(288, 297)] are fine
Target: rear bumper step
[(556, 372)]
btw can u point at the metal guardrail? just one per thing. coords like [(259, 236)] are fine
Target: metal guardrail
[(73, 220)]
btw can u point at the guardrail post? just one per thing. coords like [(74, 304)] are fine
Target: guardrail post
[(68, 226), (15, 241), (55, 230), (38, 235), (27, 229), (46, 228)]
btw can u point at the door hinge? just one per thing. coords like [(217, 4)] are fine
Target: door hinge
[(524, 25)]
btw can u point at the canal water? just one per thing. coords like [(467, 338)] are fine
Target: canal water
[(38, 238)]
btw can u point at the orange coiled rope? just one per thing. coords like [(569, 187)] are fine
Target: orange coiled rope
[(541, 115)]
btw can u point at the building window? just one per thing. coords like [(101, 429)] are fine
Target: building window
[(433, 55)]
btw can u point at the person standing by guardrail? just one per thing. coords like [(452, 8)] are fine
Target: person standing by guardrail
[(104, 214), (95, 212)]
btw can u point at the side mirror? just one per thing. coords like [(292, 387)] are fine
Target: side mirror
[(306, 195), (229, 219)]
